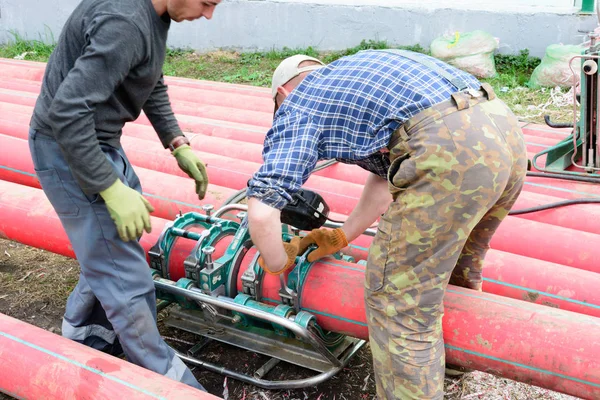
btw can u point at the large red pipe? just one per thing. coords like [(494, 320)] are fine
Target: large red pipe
[(168, 194), (13, 70), (34, 71), (182, 107), (532, 280), (224, 175), (218, 106), (37, 364), (550, 240), (519, 340), (19, 118), (197, 109), (504, 273)]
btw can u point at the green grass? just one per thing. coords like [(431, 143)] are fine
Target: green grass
[(256, 68), (32, 50)]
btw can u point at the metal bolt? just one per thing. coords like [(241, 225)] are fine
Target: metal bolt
[(208, 252), (241, 215), (236, 319), (208, 209), (204, 278), (205, 286)]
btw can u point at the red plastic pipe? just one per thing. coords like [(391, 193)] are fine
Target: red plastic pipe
[(34, 71), (168, 194), (37, 364), (511, 338), (550, 244), (504, 273)]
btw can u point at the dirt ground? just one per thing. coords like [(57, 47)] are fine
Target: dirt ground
[(34, 285)]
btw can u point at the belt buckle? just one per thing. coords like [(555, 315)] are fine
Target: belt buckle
[(474, 93)]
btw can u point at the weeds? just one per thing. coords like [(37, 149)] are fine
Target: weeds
[(32, 50)]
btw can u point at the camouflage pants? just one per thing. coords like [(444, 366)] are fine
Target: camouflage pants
[(457, 169)]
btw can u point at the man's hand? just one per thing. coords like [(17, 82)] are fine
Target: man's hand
[(291, 249), (129, 210), (328, 242), (191, 165)]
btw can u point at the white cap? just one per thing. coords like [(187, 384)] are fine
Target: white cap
[(288, 69)]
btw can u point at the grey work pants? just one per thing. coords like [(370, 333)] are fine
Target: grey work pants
[(114, 302)]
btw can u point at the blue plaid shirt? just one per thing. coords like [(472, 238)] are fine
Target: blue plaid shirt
[(347, 111)]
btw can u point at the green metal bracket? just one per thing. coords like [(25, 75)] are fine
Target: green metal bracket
[(209, 281), (559, 157)]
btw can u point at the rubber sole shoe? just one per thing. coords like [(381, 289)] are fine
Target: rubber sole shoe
[(456, 370)]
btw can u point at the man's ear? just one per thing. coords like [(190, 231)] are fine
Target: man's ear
[(282, 92)]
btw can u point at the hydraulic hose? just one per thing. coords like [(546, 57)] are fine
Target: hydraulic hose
[(554, 205), (557, 124), (560, 203), (566, 177)]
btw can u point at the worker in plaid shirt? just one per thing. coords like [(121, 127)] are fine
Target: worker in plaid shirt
[(447, 162)]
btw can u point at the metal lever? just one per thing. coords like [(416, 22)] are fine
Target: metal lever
[(288, 296)]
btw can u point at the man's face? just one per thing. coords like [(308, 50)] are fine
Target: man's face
[(189, 10)]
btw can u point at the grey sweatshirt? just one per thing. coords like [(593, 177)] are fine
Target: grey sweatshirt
[(106, 68)]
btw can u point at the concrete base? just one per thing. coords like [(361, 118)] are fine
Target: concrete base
[(337, 24)]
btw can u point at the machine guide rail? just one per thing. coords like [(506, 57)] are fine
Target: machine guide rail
[(206, 301)]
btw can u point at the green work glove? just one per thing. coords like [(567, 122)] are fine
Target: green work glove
[(129, 210), (191, 165)]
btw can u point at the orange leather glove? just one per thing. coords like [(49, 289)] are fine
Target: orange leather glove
[(328, 242), (291, 249)]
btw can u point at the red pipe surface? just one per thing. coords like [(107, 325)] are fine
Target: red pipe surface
[(529, 279), (510, 338), (168, 194), (522, 341), (342, 197), (37, 364), (506, 274), (34, 71), (238, 148)]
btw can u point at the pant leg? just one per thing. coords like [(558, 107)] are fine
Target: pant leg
[(115, 271), (444, 178), (469, 269), (85, 321)]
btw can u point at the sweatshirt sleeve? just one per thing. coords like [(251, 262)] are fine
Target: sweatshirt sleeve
[(159, 112), (114, 46)]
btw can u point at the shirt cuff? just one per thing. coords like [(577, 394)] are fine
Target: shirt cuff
[(269, 197)]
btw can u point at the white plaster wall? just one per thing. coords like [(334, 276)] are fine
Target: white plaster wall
[(337, 24)]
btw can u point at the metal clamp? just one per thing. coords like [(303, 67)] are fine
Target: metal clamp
[(251, 280), (192, 263), (288, 296), (157, 253)]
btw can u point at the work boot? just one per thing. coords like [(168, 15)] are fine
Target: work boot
[(456, 370)]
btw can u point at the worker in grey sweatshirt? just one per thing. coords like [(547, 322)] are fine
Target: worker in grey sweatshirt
[(106, 69)]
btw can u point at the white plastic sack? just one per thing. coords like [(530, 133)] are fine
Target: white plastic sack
[(472, 52), (554, 69)]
